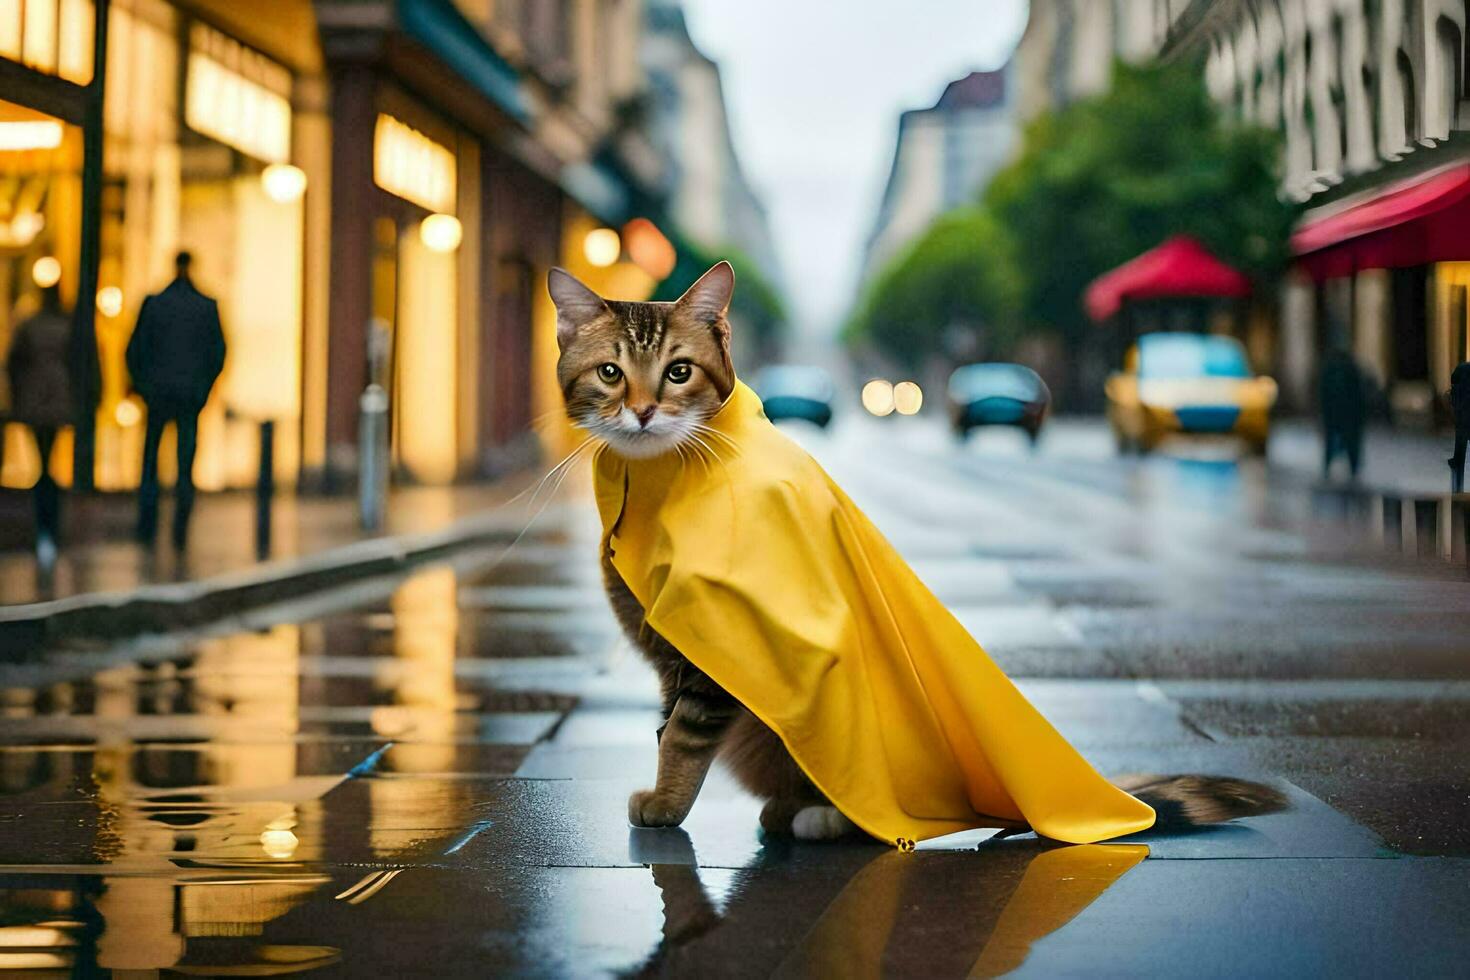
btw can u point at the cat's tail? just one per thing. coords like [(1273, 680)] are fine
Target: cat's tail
[(1192, 801)]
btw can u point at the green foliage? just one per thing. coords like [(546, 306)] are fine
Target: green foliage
[(1114, 175), (756, 307), (960, 275)]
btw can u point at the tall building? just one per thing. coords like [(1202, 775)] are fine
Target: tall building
[(944, 156), (1370, 97), (710, 198), (1069, 46), (373, 190)]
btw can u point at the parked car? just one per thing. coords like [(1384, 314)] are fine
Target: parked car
[(1188, 384), (998, 394), (796, 391)]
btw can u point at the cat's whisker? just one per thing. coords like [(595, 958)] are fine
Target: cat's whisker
[(714, 433), (562, 466)]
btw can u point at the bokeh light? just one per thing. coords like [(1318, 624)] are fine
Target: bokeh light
[(878, 397), (109, 301), (47, 271), (908, 398), (127, 413), (602, 247), (441, 232), (283, 183)]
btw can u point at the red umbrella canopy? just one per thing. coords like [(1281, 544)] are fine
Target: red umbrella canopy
[(1180, 266)]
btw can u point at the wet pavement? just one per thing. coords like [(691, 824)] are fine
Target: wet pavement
[(426, 776)]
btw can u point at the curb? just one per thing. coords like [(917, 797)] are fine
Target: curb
[(170, 606)]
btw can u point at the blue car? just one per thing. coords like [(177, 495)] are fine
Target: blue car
[(792, 391), (998, 394)]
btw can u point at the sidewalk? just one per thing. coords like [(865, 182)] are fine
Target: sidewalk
[(1396, 460), (106, 584)]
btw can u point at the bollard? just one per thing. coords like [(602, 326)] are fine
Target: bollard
[(1393, 522), (1426, 527), (372, 456), (1460, 527), (265, 489)]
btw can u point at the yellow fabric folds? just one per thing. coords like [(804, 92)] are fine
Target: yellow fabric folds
[(759, 569)]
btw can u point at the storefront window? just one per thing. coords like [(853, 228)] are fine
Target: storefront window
[(51, 36), (210, 176), (40, 193)]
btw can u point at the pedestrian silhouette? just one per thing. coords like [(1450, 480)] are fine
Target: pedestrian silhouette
[(1343, 388), (40, 395), (176, 352), (1460, 409)]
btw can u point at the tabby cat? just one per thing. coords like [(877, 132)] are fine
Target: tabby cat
[(643, 378)]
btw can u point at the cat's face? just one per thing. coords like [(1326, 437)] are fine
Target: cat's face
[(643, 377)]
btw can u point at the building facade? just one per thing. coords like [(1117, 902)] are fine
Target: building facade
[(1371, 99), (373, 191), (710, 198), (1068, 47), (943, 157)]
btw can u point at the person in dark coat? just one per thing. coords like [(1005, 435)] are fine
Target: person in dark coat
[(40, 397), (1460, 409), (1344, 394), (176, 352)]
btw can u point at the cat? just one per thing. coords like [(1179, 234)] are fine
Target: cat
[(643, 378)]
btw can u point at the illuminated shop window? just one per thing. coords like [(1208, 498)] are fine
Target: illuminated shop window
[(52, 36), (412, 166), (237, 96)]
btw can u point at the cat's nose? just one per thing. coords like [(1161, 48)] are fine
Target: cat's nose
[(645, 415)]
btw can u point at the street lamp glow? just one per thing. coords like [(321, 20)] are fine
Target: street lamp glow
[(878, 397), (602, 247), (908, 398), (47, 271), (109, 301), (283, 183), (441, 232)]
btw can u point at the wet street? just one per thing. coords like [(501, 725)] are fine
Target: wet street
[(426, 776)]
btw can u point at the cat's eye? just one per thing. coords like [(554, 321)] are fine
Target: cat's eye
[(609, 372), (679, 372)]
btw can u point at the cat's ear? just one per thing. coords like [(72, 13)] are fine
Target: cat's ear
[(576, 305), (709, 297)]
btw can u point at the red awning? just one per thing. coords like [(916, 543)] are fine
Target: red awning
[(1415, 222), (1180, 266)]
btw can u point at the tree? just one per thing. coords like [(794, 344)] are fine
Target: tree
[(958, 278), (756, 306), (1110, 177)]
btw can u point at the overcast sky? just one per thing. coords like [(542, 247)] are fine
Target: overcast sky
[(814, 89)]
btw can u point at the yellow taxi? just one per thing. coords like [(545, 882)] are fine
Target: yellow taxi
[(1188, 384)]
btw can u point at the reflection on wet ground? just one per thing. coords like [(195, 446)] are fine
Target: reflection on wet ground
[(427, 777), (280, 800)]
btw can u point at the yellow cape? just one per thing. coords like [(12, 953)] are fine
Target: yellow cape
[(758, 568)]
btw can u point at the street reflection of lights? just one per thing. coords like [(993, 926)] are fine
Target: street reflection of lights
[(279, 844), (908, 398), (648, 248), (109, 301), (127, 413), (283, 183), (47, 271), (878, 397), (602, 246)]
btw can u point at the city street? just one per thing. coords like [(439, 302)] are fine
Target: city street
[(427, 775)]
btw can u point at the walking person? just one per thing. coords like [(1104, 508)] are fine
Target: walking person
[(1460, 409), (174, 356), (1344, 393), (40, 395)]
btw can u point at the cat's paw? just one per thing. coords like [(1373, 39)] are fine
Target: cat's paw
[(646, 808), (820, 823)]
